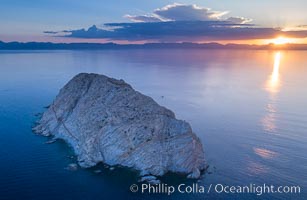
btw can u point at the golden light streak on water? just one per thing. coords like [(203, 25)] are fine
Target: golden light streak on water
[(273, 83), (273, 87)]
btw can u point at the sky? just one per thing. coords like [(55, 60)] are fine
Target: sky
[(139, 21)]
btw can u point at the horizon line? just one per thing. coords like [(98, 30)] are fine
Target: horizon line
[(34, 45)]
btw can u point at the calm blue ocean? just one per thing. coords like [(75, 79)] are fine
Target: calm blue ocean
[(248, 107)]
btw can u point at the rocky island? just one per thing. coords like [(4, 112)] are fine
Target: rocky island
[(106, 120)]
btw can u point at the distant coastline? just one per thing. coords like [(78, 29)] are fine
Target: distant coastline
[(102, 46)]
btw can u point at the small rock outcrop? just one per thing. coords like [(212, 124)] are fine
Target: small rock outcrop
[(106, 120)]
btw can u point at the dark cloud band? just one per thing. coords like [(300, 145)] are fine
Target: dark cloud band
[(178, 22), (182, 31)]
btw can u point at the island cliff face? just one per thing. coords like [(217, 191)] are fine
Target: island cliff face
[(106, 120)]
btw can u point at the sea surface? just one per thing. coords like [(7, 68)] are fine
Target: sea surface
[(249, 109)]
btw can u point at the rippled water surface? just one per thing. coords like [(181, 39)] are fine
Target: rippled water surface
[(248, 107)]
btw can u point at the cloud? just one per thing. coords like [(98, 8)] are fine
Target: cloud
[(239, 20), (51, 32), (300, 27), (180, 23), (183, 12), (181, 31), (144, 18), (92, 32)]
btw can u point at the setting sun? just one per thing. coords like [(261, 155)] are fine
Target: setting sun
[(281, 40)]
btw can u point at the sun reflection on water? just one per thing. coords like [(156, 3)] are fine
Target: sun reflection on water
[(264, 153), (273, 83), (273, 87)]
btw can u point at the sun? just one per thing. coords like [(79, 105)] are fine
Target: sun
[(281, 40)]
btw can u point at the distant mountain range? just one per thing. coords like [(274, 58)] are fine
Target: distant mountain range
[(101, 46)]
